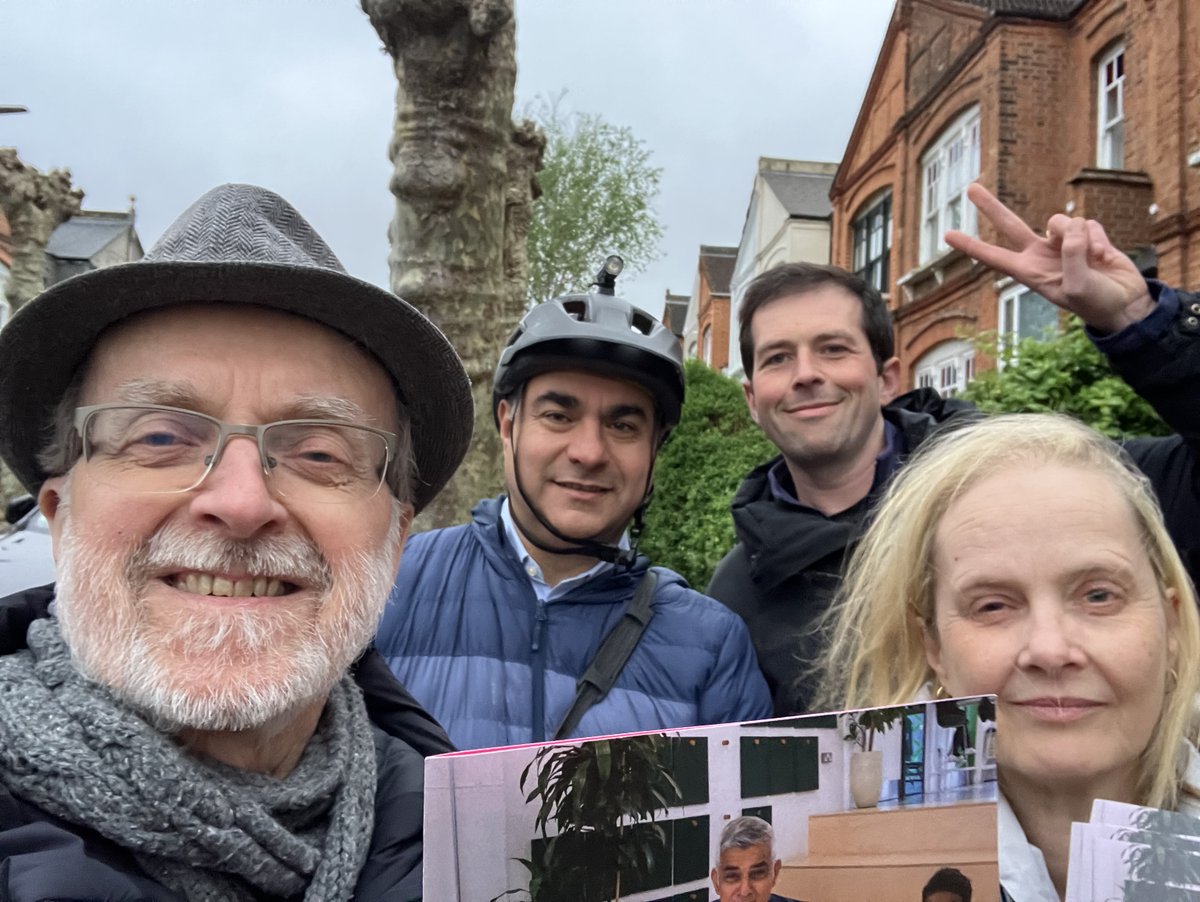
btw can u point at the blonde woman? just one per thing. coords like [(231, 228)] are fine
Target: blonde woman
[(1025, 556)]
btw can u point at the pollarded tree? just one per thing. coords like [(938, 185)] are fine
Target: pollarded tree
[(464, 186), (463, 182), (35, 203), (598, 187)]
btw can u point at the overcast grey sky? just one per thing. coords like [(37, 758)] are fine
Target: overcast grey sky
[(164, 99)]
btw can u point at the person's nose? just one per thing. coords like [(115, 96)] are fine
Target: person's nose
[(235, 493), (1052, 640), (587, 446), (805, 371)]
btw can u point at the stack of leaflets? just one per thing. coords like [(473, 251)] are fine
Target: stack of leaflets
[(1134, 854), (865, 805)]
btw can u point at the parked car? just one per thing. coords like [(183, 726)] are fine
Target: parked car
[(25, 551)]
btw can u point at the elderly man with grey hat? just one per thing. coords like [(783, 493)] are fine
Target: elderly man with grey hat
[(229, 439)]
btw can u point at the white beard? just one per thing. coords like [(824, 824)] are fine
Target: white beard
[(228, 667)]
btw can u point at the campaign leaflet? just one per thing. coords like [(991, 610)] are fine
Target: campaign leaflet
[(1132, 853), (862, 805)]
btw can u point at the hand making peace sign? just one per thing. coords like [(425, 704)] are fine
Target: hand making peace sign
[(1073, 265)]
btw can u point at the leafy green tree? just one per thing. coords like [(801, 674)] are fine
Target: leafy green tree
[(688, 525), (1065, 374), (597, 185)]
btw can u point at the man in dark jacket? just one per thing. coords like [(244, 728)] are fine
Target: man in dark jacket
[(224, 438), (821, 381), (493, 624)]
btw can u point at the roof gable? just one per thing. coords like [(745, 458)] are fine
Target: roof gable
[(86, 234), (851, 156), (676, 312), (804, 195), (921, 77), (717, 265)]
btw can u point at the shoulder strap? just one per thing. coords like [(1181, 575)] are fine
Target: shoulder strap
[(612, 654)]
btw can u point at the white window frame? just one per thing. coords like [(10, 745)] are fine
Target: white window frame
[(707, 358), (947, 168), (871, 241), (947, 367), (1110, 109), (1010, 335)]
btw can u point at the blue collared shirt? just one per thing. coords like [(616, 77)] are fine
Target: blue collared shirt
[(543, 590)]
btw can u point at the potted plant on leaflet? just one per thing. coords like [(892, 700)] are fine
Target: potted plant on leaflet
[(866, 764), (597, 804)]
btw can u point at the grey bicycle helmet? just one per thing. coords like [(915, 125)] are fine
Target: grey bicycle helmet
[(601, 333)]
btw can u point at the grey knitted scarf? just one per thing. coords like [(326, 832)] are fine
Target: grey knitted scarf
[(207, 831)]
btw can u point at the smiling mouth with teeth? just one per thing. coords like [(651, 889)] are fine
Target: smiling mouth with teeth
[(207, 584)]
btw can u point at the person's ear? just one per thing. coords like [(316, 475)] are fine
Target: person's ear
[(406, 514), (50, 497), (889, 380), (933, 652), (504, 413), (1171, 609), (748, 392)]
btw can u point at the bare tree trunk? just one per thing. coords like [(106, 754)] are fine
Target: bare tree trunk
[(463, 183), (34, 204), (524, 160)]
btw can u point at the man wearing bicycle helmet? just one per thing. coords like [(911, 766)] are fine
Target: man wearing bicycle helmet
[(492, 624)]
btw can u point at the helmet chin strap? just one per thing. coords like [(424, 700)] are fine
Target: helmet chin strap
[(576, 545)]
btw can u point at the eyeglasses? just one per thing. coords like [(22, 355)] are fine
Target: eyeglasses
[(153, 449)]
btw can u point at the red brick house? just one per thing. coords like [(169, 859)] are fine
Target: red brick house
[(1090, 107), (710, 300)]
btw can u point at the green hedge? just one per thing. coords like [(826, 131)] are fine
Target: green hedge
[(688, 525), (1065, 374)]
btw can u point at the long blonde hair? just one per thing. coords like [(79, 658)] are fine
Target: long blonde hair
[(876, 654)]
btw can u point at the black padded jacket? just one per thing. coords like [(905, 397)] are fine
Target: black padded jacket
[(43, 857), (787, 565)]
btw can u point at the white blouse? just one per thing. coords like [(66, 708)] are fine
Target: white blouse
[(1023, 872)]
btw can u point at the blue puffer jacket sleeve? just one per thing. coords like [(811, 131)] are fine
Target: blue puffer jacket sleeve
[(467, 636), (737, 690)]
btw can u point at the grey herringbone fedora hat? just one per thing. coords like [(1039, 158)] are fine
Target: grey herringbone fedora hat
[(236, 244)]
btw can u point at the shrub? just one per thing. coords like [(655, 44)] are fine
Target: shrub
[(688, 525), (1065, 374)]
